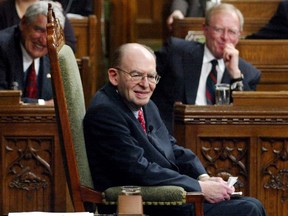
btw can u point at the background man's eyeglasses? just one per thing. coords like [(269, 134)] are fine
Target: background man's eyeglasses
[(221, 31)]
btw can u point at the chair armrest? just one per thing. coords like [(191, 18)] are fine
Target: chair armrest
[(90, 195), (197, 198)]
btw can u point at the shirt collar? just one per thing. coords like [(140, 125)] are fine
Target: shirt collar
[(27, 59), (133, 109), (208, 57)]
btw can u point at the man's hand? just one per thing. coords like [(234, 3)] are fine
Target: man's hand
[(231, 59), (177, 14), (215, 189), (49, 102)]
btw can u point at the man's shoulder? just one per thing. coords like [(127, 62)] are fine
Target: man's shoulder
[(180, 42), (8, 34), (104, 95), (247, 68), (179, 46)]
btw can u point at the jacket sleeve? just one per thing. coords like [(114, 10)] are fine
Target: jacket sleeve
[(187, 161)]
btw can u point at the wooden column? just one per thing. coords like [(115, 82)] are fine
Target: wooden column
[(122, 23)]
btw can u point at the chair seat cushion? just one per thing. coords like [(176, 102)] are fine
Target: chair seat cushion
[(151, 195)]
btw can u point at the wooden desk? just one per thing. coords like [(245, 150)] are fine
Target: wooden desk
[(244, 140), (32, 174), (270, 57)]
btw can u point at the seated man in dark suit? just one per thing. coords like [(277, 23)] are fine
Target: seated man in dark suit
[(82, 7), (23, 46), (277, 27), (185, 65), (128, 143)]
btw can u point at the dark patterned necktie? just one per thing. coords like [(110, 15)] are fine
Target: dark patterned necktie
[(31, 90), (210, 83), (141, 119)]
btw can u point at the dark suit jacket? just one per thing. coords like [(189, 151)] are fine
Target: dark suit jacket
[(277, 27), (83, 7), (11, 66), (179, 64), (120, 153), (190, 8)]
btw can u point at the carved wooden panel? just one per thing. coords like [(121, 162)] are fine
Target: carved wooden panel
[(226, 157), (274, 173), (31, 169), (249, 141), (28, 173)]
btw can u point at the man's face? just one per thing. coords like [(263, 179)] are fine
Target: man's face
[(136, 62), (223, 28), (34, 36)]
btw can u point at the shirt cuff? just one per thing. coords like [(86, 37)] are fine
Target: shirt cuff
[(203, 177), (41, 102)]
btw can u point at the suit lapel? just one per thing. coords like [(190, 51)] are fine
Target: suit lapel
[(113, 95), (192, 65), (17, 64), (44, 77), (153, 139)]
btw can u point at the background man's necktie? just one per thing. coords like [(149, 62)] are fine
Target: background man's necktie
[(141, 119), (31, 90), (210, 83)]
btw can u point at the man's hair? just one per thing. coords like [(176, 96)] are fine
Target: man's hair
[(222, 8), (41, 8), (116, 59)]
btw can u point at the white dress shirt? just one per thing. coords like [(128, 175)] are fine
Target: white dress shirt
[(205, 70)]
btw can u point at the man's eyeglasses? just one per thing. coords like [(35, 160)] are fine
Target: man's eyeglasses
[(232, 34), (137, 76)]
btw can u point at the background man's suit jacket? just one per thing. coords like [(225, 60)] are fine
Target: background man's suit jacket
[(277, 27), (179, 64), (190, 8), (120, 153), (11, 65)]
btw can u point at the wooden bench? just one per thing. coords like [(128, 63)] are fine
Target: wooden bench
[(181, 27), (263, 9), (270, 57)]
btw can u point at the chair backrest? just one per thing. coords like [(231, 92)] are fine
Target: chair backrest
[(70, 111)]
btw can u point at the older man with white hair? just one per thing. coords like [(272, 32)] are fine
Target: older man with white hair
[(24, 63)]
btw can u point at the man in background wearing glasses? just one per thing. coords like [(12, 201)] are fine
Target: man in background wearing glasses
[(127, 143), (184, 66)]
